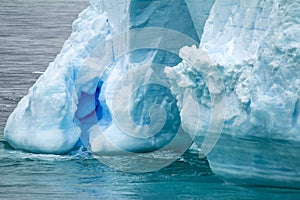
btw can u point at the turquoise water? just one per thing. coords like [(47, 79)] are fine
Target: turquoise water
[(31, 35), (79, 176)]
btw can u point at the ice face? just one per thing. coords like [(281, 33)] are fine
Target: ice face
[(264, 78), (257, 52), (256, 45), (268, 98)]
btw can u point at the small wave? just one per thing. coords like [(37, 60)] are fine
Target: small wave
[(7, 152), (37, 72)]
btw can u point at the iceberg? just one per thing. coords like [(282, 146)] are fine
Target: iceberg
[(140, 76), (261, 58), (256, 47), (73, 102)]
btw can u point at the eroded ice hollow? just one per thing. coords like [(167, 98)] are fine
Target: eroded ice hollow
[(254, 44), (73, 98)]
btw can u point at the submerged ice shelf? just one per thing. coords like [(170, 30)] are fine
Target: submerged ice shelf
[(257, 44), (254, 45)]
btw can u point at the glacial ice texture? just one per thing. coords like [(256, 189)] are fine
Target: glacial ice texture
[(73, 98), (253, 44), (257, 46)]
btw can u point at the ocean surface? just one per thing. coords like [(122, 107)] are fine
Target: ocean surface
[(32, 33)]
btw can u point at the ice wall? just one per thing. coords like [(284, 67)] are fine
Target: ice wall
[(256, 46), (267, 90), (259, 45)]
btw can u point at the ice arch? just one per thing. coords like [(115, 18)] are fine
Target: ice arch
[(48, 119)]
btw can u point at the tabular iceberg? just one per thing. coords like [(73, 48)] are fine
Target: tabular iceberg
[(140, 99)]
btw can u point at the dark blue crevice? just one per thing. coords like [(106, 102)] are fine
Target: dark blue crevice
[(295, 115)]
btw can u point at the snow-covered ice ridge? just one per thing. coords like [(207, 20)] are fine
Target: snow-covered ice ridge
[(254, 45)]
